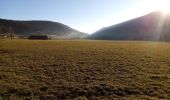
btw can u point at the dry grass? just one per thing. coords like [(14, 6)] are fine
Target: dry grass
[(80, 70)]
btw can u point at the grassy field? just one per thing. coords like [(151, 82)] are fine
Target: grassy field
[(84, 69)]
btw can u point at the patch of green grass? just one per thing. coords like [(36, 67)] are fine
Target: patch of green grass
[(84, 69)]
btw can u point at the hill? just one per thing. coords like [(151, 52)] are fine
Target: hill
[(153, 26), (25, 28)]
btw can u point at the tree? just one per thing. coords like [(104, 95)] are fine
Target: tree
[(0, 30), (3, 30), (11, 32)]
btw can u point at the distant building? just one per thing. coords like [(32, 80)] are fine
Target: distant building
[(38, 37)]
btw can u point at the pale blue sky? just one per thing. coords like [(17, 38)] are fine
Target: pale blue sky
[(83, 15)]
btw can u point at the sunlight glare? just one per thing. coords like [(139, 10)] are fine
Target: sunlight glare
[(157, 5)]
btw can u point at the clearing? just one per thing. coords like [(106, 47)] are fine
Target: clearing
[(84, 69)]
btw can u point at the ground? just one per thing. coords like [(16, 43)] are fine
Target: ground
[(84, 69)]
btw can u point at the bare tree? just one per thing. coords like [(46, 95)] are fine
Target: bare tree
[(11, 32), (0, 30)]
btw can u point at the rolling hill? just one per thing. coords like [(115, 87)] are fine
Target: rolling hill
[(153, 26), (25, 28)]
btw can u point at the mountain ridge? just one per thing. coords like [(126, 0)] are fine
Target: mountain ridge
[(34, 27), (146, 27)]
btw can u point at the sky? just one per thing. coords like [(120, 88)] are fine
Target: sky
[(84, 15)]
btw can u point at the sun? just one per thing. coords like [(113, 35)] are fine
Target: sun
[(161, 5), (165, 9), (157, 5)]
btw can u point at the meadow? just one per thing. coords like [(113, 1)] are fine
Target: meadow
[(84, 69)]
